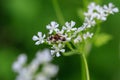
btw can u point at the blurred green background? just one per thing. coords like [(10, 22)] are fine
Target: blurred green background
[(21, 19)]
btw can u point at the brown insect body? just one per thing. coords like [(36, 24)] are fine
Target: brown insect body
[(57, 37)]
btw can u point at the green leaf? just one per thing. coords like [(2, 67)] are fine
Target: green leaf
[(102, 39)]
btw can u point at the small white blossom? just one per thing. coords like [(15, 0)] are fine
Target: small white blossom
[(89, 22), (90, 14), (87, 35), (50, 70), (43, 56), (110, 9), (92, 6), (33, 66), (22, 59), (91, 11), (78, 39), (101, 13), (57, 49), (69, 26), (41, 76), (81, 28), (53, 26), (39, 39)]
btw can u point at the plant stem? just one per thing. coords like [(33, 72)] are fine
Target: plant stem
[(85, 70), (58, 12), (69, 46)]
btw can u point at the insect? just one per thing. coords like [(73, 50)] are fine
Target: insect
[(57, 37)]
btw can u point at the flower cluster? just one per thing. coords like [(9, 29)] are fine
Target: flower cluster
[(59, 38), (31, 71)]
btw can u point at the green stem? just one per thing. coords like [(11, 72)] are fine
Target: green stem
[(85, 70), (58, 12), (69, 46)]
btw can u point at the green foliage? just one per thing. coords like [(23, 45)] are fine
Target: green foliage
[(102, 39), (7, 57)]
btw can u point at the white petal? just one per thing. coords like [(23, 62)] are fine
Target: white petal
[(16, 67), (57, 54), (42, 41), (67, 24), (52, 52), (105, 7), (115, 10), (111, 5), (40, 34), (37, 43), (50, 31), (64, 28), (73, 29), (35, 38), (62, 50), (68, 39), (48, 26), (56, 30), (54, 24), (44, 36), (60, 45), (22, 58), (72, 23), (50, 70), (103, 18)]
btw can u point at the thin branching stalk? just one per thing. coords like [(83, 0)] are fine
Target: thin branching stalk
[(85, 70)]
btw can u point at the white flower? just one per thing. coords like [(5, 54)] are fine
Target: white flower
[(25, 74), (41, 76), (110, 9), (40, 39), (101, 13), (87, 35), (89, 22), (81, 28), (30, 71), (90, 14), (91, 11), (92, 6), (43, 56), (33, 66), (69, 26), (22, 59), (50, 70), (53, 26), (57, 49), (78, 39)]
